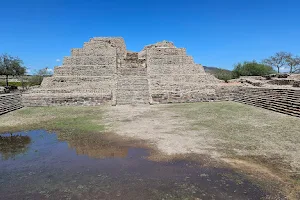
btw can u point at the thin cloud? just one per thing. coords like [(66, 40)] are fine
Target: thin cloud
[(57, 60)]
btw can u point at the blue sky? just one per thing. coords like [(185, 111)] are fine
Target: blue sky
[(215, 32)]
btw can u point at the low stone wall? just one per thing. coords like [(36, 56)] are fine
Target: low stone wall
[(201, 94), (65, 100), (281, 82), (296, 84), (10, 102), (285, 101)]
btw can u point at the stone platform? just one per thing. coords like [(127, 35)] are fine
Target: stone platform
[(103, 71)]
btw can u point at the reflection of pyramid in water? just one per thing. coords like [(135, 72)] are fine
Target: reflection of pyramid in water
[(98, 150)]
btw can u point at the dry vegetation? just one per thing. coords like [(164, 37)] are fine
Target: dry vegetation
[(250, 139), (73, 120), (258, 142)]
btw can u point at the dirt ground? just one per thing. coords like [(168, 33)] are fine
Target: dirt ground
[(255, 141), (249, 139), (220, 129), (169, 131)]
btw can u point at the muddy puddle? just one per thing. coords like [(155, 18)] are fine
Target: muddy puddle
[(36, 165)]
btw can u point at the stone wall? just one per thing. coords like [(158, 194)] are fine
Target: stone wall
[(296, 84), (285, 101), (174, 77), (87, 77), (72, 99), (103, 71), (10, 102), (281, 82)]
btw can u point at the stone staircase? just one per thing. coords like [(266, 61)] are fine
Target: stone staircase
[(10, 102), (132, 90), (132, 82), (286, 101)]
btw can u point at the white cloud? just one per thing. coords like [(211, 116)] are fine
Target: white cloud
[(57, 60), (49, 70)]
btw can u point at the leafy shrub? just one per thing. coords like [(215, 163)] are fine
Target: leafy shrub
[(19, 84), (223, 74), (3, 84), (251, 69), (35, 80)]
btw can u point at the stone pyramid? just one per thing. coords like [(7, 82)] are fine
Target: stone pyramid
[(103, 71)]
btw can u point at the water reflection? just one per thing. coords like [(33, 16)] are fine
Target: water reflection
[(50, 169), (96, 146), (13, 145)]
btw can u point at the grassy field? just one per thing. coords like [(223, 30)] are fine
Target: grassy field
[(248, 138), (246, 130), (74, 120)]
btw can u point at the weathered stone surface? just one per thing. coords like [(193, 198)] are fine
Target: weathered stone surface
[(296, 84), (10, 102), (103, 71), (286, 101), (174, 76)]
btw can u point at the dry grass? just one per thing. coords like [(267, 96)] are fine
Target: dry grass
[(243, 130), (220, 129), (67, 119), (250, 139), (226, 131), (253, 140)]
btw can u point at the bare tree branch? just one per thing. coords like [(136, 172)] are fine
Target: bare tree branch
[(278, 60)]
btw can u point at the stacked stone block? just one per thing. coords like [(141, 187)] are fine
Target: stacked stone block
[(285, 101), (87, 77), (132, 85), (174, 77), (102, 71), (10, 102)]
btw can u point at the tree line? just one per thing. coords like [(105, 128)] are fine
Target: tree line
[(265, 67), (283, 59), (13, 66)]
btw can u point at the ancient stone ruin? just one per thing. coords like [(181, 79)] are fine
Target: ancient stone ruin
[(103, 71), (10, 102)]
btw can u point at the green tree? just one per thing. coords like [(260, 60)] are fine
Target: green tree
[(251, 69), (293, 62), (223, 74), (278, 60), (11, 66)]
